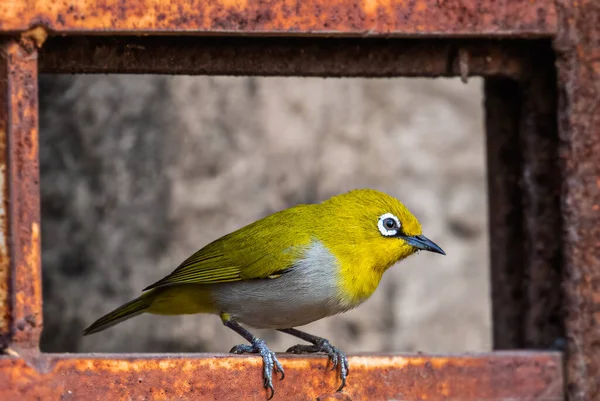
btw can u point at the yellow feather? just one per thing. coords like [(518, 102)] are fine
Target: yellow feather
[(362, 252), (258, 250), (345, 225)]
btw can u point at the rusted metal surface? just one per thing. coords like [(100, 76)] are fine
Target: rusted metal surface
[(524, 208), (505, 198), (285, 57), (514, 376), (578, 53), (20, 307), (316, 17), (5, 315), (543, 315)]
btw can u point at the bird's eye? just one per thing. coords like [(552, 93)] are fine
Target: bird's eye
[(390, 224)]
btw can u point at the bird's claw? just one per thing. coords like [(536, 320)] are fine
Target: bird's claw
[(270, 361), (337, 357)]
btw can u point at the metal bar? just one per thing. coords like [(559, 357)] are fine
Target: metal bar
[(578, 55), (284, 57), (543, 316), (515, 376), (295, 17), (20, 275), (505, 197), (524, 208)]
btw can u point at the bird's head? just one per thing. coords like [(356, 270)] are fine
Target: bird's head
[(375, 227)]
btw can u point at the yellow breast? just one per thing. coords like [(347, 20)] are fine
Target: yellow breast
[(361, 267)]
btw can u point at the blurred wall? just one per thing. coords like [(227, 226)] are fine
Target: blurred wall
[(138, 172)]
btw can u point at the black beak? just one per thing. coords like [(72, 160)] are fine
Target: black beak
[(424, 243)]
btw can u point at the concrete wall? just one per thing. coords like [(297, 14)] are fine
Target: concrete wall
[(138, 172)]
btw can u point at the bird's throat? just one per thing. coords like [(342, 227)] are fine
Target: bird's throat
[(358, 282)]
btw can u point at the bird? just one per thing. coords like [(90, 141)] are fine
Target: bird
[(288, 269)]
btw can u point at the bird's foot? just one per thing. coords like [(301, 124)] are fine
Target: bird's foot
[(270, 362), (337, 356)]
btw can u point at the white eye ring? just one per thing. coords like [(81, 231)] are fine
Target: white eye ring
[(384, 230)]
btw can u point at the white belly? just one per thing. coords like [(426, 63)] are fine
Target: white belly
[(308, 292)]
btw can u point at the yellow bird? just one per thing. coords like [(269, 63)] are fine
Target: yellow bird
[(288, 269)]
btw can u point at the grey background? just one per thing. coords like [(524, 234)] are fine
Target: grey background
[(138, 172)]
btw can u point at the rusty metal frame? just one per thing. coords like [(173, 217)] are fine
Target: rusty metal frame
[(540, 62)]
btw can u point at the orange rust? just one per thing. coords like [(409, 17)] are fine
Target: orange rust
[(577, 55), (341, 396), (37, 35), (224, 377), (315, 17), (4, 234), (21, 308)]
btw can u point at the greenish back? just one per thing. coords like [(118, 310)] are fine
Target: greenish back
[(263, 249)]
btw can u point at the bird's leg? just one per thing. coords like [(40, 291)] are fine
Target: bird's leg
[(319, 344), (257, 346)]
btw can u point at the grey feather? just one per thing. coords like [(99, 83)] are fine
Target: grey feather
[(310, 288)]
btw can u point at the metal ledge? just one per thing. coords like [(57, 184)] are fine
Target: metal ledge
[(493, 376), (332, 57), (482, 18)]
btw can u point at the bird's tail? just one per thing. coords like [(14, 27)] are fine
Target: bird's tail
[(123, 312)]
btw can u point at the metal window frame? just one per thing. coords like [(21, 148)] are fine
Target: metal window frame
[(540, 62)]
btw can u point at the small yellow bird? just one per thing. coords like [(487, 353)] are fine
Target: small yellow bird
[(288, 269)]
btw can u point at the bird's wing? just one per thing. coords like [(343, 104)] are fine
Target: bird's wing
[(264, 250)]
